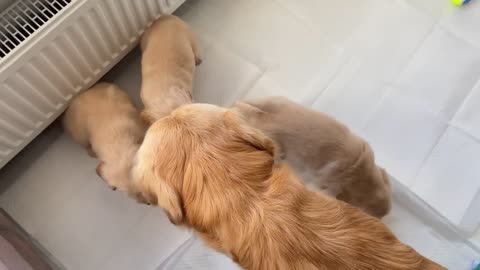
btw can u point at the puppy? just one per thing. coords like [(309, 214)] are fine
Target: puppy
[(324, 152), (169, 55), (211, 171), (104, 120)]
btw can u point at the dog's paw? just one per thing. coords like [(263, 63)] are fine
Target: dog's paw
[(99, 169), (90, 151), (198, 61)]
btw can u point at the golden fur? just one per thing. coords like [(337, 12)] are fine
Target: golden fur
[(104, 120), (169, 55), (212, 172), (324, 152)]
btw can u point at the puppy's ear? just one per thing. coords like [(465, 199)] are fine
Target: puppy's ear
[(247, 133), (248, 110), (155, 190)]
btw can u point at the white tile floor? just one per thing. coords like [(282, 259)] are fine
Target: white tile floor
[(405, 74)]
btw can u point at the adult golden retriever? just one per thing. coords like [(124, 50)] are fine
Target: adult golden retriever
[(212, 172)]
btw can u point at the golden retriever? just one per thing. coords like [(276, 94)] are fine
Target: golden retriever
[(323, 151), (212, 172), (104, 120), (169, 55)]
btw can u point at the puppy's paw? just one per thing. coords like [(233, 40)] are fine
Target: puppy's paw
[(100, 172), (90, 151), (99, 169), (138, 196), (198, 60)]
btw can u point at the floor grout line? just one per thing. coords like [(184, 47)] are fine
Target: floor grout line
[(131, 228), (424, 160), (465, 100)]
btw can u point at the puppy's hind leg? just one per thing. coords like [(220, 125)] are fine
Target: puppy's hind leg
[(90, 151), (100, 172), (99, 169), (197, 53), (325, 180)]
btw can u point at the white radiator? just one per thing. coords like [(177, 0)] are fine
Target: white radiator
[(52, 49)]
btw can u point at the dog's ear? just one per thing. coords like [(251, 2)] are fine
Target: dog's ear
[(234, 122), (248, 110), (156, 191), (169, 200)]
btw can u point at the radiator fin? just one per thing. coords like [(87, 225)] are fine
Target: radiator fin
[(28, 92), (12, 116), (23, 18), (22, 105)]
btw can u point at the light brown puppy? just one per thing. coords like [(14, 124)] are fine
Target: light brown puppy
[(211, 171), (104, 120), (169, 55), (324, 152)]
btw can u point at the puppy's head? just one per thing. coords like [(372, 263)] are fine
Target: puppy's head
[(201, 162)]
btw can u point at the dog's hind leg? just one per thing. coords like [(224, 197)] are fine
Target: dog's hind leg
[(90, 151)]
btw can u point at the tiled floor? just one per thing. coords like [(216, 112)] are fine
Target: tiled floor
[(402, 73)]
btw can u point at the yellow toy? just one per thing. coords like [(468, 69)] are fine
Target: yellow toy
[(460, 2)]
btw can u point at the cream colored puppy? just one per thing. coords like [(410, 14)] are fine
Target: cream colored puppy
[(104, 120), (324, 152), (169, 55)]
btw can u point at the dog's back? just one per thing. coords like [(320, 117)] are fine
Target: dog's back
[(169, 41), (307, 230), (365, 242), (104, 120), (97, 116), (169, 55), (84, 111)]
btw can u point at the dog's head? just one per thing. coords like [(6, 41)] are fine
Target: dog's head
[(201, 162)]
